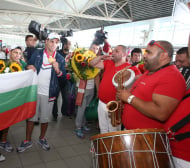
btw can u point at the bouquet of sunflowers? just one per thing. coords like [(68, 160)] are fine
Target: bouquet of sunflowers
[(6, 67), (80, 63)]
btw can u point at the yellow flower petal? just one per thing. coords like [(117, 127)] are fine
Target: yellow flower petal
[(2, 66), (79, 57), (15, 67)]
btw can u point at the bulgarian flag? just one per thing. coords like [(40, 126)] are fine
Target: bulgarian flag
[(18, 95)]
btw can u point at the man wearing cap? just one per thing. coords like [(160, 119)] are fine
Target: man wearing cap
[(15, 56), (157, 93), (50, 67)]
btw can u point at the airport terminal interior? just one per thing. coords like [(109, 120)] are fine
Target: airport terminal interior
[(109, 24)]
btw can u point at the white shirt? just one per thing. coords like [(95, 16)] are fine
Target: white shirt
[(2, 55), (44, 76)]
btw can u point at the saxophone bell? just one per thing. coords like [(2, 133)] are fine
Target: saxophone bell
[(112, 108)]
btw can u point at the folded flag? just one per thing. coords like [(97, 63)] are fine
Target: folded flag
[(18, 95)]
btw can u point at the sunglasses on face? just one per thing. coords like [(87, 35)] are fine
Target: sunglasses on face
[(153, 42)]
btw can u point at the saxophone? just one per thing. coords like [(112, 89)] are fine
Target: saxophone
[(115, 107)]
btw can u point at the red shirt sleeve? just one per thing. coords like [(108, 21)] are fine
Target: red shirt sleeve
[(171, 86), (106, 47), (136, 70)]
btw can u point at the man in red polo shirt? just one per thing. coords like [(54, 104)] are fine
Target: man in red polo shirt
[(180, 143), (107, 91), (157, 93), (180, 147)]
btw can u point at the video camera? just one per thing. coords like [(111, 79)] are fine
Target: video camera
[(42, 33), (38, 30), (65, 34), (100, 36)]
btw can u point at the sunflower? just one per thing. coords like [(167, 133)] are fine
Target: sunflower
[(89, 59), (79, 57), (2, 66), (15, 67)]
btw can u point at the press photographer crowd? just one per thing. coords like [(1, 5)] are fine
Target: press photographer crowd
[(138, 97)]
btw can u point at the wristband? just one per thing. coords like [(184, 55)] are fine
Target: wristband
[(130, 98), (60, 74)]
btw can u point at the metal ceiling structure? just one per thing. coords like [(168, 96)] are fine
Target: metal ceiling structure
[(61, 15)]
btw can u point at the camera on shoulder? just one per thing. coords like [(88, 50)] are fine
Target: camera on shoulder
[(100, 36), (42, 33)]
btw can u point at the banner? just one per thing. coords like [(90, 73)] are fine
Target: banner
[(18, 95)]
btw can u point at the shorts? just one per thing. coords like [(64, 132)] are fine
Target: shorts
[(43, 110)]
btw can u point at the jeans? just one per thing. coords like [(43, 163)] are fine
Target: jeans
[(68, 99)]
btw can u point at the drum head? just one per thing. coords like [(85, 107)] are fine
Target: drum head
[(126, 77), (150, 130)]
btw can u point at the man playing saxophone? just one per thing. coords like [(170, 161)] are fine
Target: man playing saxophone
[(156, 94), (107, 92)]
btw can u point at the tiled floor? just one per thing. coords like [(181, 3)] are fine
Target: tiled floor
[(67, 150)]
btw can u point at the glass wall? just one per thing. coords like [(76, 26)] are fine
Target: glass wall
[(139, 33), (9, 40), (129, 34)]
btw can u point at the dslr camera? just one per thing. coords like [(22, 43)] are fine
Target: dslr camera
[(65, 34)]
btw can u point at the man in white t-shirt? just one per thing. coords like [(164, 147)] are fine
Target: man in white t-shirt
[(50, 67), (80, 121)]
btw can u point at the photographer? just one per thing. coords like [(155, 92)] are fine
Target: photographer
[(30, 46), (66, 44), (101, 38)]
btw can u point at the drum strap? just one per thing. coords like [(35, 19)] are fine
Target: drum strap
[(182, 136), (179, 125)]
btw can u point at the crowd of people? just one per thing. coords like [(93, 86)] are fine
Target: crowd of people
[(158, 98)]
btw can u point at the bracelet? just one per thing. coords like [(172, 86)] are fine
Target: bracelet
[(59, 74), (130, 98)]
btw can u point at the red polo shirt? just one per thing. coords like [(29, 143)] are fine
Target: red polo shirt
[(167, 81)]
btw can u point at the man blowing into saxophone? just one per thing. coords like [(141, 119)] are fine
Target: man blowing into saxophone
[(107, 91)]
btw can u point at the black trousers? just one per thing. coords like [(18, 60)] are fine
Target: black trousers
[(64, 108)]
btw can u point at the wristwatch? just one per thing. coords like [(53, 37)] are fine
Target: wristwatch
[(130, 98)]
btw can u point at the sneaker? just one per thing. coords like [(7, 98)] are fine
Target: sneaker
[(24, 145), (86, 129), (44, 144), (2, 158), (6, 146), (79, 133)]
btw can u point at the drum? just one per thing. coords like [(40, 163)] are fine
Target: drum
[(141, 148)]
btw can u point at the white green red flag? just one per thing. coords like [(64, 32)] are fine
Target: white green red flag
[(18, 95)]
